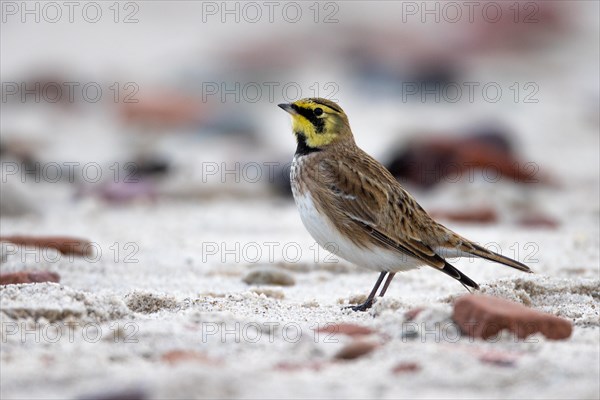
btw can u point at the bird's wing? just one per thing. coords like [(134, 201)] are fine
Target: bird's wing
[(372, 204)]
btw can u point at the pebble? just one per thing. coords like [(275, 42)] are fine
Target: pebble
[(66, 245), (412, 313), (539, 221), (450, 157), (149, 303), (355, 349), (405, 367), (292, 367), (269, 276), (178, 356), (125, 394), (479, 216), (481, 316), (499, 359), (164, 109), (346, 329), (29, 277)]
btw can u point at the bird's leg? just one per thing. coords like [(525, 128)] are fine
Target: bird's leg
[(369, 302), (387, 284)]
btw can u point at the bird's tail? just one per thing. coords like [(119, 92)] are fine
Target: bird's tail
[(451, 270), (476, 250)]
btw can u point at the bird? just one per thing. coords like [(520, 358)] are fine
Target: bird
[(354, 207)]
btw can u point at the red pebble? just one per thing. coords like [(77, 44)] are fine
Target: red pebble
[(483, 317), (479, 216), (412, 313), (293, 367), (345, 329), (29, 277), (538, 221), (406, 367), (66, 245), (178, 356), (355, 349), (498, 358)]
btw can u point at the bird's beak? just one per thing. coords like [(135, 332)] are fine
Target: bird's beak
[(287, 107)]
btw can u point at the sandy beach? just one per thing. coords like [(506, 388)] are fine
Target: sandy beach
[(114, 326), (200, 281)]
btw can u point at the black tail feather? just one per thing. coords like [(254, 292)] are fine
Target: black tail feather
[(451, 271)]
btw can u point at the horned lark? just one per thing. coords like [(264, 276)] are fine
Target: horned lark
[(352, 206)]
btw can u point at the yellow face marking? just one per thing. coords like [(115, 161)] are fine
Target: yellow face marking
[(303, 125)]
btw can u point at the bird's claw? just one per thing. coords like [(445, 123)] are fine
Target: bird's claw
[(362, 307)]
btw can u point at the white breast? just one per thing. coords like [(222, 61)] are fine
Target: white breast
[(328, 237)]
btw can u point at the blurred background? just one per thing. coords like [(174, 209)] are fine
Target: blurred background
[(150, 130), (116, 104)]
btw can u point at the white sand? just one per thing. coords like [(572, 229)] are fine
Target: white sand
[(169, 299)]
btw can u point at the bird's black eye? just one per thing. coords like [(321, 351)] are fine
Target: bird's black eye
[(318, 111)]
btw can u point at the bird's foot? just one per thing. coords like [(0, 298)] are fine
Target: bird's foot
[(362, 307)]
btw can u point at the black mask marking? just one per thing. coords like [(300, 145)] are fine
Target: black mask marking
[(303, 148), (318, 123)]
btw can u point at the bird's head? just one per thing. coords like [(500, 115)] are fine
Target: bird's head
[(318, 122)]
